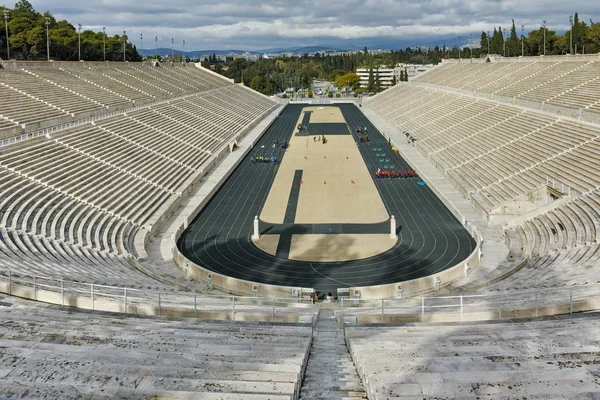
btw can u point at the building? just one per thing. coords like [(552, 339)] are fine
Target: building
[(386, 75)]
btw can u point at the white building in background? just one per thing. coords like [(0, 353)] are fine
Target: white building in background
[(386, 75)]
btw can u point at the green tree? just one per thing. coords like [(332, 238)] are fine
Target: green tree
[(350, 80), (593, 37), (483, 43), (377, 81), (512, 43), (371, 82)]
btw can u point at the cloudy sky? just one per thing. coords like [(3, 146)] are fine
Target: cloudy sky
[(248, 24)]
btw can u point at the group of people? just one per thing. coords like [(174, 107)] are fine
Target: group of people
[(264, 160), (321, 138), (396, 174), (362, 130), (284, 144)]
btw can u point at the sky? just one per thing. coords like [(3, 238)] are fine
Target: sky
[(253, 25)]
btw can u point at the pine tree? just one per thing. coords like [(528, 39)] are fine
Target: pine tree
[(405, 75), (484, 43), (371, 83), (377, 81), (512, 43)]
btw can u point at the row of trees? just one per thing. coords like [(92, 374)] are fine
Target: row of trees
[(582, 38), (270, 76), (27, 38)]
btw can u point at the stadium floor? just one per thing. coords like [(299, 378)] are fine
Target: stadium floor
[(431, 239)]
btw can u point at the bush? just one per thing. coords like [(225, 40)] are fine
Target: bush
[(310, 94), (354, 94), (330, 95), (361, 90), (285, 96), (338, 95)]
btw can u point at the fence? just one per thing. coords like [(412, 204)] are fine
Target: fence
[(155, 302), (493, 306)]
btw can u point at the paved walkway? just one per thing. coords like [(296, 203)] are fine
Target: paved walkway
[(330, 373)]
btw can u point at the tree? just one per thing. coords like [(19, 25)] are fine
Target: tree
[(371, 83), (349, 80), (394, 79), (497, 42), (23, 6), (405, 75), (593, 37), (512, 43), (377, 81), (484, 43)]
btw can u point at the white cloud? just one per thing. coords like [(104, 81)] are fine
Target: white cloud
[(247, 24)]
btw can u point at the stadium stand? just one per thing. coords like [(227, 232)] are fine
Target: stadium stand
[(510, 149), (469, 120), (552, 358), (567, 84), (130, 167), (137, 138), (106, 356)]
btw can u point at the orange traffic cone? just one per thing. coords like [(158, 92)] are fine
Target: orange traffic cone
[(352, 182), (324, 182)]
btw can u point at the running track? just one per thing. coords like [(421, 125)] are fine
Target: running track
[(431, 239)]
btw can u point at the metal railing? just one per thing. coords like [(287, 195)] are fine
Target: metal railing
[(156, 302), (485, 307)]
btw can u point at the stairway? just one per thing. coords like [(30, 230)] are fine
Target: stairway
[(330, 373)]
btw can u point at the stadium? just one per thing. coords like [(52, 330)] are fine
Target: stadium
[(167, 233)]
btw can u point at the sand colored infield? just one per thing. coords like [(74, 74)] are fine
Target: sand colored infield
[(344, 247), (323, 115), (329, 248), (267, 243), (336, 185)]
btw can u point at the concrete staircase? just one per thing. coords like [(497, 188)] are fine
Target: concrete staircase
[(330, 373)]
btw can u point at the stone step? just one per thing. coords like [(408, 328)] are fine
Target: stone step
[(24, 390)]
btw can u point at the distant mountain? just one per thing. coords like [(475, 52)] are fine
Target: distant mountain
[(193, 53), (306, 49)]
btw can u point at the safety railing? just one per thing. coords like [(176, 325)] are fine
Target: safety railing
[(485, 307), (156, 302)]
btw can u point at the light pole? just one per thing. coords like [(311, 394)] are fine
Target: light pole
[(142, 44), (522, 40), (459, 49), (124, 41), (156, 46), (79, 46), (571, 35), (104, 42), (544, 37), (504, 40), (183, 61), (172, 43), (47, 38), (471, 45), (6, 25)]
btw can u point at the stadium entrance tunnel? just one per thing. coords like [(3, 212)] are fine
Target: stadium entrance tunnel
[(324, 209)]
